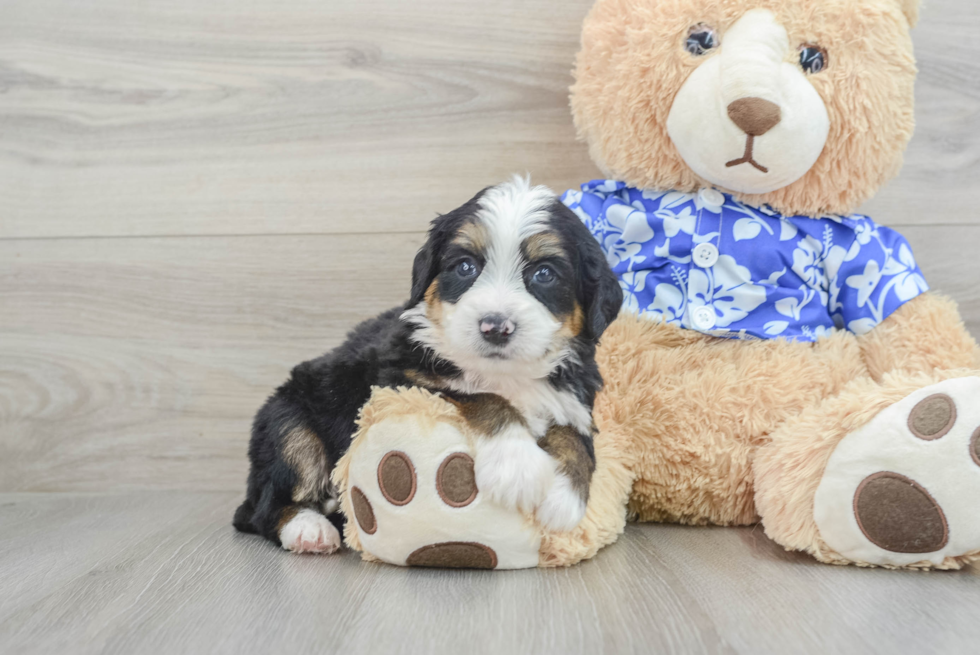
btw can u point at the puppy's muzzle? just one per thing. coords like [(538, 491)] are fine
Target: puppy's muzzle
[(497, 329)]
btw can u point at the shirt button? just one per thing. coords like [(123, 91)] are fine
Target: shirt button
[(706, 255), (712, 198), (704, 318)]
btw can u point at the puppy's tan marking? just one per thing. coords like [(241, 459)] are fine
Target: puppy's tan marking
[(488, 413), (433, 304), (473, 236), (303, 451), (571, 323), (563, 444), (544, 245), (420, 379)]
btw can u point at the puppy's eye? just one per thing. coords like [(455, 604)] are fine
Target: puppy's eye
[(701, 39), (467, 268), (544, 275), (813, 58)]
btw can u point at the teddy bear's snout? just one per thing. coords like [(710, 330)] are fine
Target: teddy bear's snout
[(754, 116)]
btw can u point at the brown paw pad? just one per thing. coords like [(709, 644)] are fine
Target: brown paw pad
[(396, 477), (975, 447), (933, 418), (456, 481), (363, 511), (454, 555), (895, 513)]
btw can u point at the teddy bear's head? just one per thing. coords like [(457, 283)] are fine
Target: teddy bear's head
[(806, 105)]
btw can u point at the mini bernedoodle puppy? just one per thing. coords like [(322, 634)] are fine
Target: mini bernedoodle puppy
[(510, 295)]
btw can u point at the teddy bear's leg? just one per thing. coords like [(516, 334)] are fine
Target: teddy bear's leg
[(884, 474), (924, 335), (880, 474), (691, 411)]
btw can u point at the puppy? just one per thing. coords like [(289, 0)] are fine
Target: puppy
[(510, 295)]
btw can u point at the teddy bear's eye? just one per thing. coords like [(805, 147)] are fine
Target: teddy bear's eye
[(813, 58), (701, 39)]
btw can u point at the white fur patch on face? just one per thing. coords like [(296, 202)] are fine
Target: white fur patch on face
[(751, 64), (511, 213), (310, 532)]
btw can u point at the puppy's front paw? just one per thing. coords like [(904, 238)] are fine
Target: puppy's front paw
[(513, 471), (563, 508), (310, 532)]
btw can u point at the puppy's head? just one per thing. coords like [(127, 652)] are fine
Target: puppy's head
[(507, 283)]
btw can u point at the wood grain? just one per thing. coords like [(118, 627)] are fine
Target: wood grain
[(938, 183), (165, 573), (139, 362), (326, 117), (298, 117)]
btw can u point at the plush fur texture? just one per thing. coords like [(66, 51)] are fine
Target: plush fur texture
[(697, 408), (633, 62)]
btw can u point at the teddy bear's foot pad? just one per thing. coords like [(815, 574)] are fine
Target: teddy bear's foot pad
[(897, 514), (454, 555), (902, 490), (416, 502)]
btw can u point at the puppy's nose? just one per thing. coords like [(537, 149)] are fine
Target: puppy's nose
[(755, 116), (497, 328)]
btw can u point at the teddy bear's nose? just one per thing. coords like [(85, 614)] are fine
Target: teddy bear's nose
[(754, 116)]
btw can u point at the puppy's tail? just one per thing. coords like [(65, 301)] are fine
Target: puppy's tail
[(243, 517)]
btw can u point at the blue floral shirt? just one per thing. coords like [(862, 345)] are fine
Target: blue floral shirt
[(709, 263)]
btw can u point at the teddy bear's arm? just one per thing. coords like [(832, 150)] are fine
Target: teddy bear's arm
[(925, 334)]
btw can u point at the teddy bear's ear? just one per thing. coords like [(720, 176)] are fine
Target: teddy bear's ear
[(911, 10)]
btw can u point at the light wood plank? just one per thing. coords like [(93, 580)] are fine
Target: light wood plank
[(203, 291), (326, 117), (165, 573), (135, 363), (942, 164), (273, 117)]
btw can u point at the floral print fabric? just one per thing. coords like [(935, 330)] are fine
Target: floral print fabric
[(759, 275)]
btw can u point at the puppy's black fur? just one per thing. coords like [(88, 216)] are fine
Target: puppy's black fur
[(324, 395)]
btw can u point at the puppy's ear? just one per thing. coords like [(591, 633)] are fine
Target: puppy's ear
[(424, 271), (600, 288), (603, 295), (427, 263)]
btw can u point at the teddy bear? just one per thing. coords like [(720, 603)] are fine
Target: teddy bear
[(780, 358)]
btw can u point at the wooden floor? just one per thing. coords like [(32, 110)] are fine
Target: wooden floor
[(194, 196), (161, 572)]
